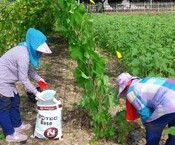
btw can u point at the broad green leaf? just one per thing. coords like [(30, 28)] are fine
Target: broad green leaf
[(170, 130)]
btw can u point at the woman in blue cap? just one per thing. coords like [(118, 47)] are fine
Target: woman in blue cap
[(16, 65), (154, 100)]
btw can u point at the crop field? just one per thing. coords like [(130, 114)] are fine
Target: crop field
[(89, 51), (146, 41)]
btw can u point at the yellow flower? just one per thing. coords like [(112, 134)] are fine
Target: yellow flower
[(92, 2), (119, 55)]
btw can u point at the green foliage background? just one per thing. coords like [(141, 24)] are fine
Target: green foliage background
[(18, 16), (146, 42)]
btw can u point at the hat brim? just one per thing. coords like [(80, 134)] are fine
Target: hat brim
[(121, 89), (120, 93), (44, 48)]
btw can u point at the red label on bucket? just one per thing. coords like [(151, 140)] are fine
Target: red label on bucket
[(47, 107)]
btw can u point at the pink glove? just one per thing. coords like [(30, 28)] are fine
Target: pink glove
[(42, 84)]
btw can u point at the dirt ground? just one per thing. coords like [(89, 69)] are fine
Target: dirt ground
[(57, 70)]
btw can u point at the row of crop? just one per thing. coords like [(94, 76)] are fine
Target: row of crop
[(17, 17), (146, 42)]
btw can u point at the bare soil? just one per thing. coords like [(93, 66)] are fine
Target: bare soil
[(57, 69)]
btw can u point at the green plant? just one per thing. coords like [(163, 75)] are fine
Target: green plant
[(123, 127), (170, 130), (145, 41), (18, 16), (98, 97), (2, 136)]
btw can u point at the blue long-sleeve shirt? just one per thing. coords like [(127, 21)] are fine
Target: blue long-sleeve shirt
[(14, 67), (158, 94)]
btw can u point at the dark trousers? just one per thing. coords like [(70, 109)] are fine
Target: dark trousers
[(154, 130), (9, 113)]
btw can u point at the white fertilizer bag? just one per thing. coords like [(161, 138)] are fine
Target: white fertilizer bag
[(48, 121)]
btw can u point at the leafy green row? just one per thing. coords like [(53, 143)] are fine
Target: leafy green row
[(146, 42), (97, 96), (17, 17)]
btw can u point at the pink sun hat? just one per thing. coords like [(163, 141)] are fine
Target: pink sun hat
[(122, 81)]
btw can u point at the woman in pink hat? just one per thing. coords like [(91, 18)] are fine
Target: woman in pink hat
[(154, 100)]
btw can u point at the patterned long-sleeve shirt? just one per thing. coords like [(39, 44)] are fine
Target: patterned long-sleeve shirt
[(15, 66), (156, 93)]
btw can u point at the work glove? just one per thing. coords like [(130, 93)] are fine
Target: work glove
[(32, 96), (39, 96), (42, 84)]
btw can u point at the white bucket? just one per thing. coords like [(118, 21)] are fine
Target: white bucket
[(48, 121)]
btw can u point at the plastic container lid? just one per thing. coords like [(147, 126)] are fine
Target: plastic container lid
[(48, 94), (48, 102)]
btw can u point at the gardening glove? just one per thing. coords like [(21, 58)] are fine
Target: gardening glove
[(38, 96), (42, 84), (32, 96)]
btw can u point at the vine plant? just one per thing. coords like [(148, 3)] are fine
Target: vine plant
[(97, 96)]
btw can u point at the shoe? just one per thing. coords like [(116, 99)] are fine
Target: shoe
[(16, 137), (22, 127)]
